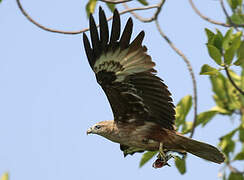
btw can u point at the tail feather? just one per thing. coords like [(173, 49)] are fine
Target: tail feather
[(200, 149)]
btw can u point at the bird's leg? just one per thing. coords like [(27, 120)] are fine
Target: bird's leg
[(162, 157), (161, 154)]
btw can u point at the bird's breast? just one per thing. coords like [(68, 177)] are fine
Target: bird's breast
[(134, 136)]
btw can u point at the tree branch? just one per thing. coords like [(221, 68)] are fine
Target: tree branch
[(234, 170), (79, 31), (232, 81), (205, 17), (189, 67), (228, 17), (146, 20)]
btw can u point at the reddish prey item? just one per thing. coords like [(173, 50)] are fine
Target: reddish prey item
[(159, 163)]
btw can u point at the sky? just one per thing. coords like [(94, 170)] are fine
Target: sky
[(49, 96)]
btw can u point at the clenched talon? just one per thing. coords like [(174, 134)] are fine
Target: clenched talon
[(160, 162)]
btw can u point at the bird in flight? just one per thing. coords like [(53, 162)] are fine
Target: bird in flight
[(141, 103)]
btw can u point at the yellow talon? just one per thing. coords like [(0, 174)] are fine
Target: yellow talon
[(161, 154)]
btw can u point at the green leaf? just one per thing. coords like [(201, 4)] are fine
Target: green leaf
[(240, 55), (226, 96), (220, 110), (111, 7), (227, 39), (229, 55), (236, 40), (4, 176), (214, 54), (146, 157), (231, 43), (239, 62), (209, 34), (218, 40), (144, 2), (236, 176), (180, 164), (218, 85), (241, 134), (90, 7), (239, 2), (182, 109), (227, 145), (239, 156), (242, 80), (187, 127), (240, 52), (208, 70), (204, 117), (237, 18), (230, 134), (233, 4)]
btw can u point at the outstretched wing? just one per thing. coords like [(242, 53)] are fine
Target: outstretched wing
[(126, 74)]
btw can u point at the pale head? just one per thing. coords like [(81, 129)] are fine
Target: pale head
[(100, 128)]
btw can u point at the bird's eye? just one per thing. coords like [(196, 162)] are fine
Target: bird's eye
[(97, 127)]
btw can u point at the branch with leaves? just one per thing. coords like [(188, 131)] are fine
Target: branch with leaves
[(228, 51)]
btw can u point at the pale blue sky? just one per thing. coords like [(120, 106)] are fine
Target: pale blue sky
[(49, 96)]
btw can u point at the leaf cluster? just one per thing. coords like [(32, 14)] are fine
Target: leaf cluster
[(227, 51), (237, 8)]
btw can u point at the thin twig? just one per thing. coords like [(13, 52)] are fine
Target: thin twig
[(227, 15), (205, 17), (114, 1), (232, 81), (146, 20), (234, 170), (189, 67), (79, 31)]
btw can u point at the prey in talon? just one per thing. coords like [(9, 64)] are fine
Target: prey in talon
[(159, 163), (142, 106)]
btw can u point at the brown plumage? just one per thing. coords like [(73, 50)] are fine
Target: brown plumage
[(141, 103)]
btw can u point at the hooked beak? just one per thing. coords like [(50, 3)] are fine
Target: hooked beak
[(89, 131)]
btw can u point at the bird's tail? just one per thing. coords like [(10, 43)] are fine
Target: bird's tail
[(200, 149)]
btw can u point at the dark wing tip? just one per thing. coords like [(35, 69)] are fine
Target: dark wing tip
[(104, 33), (94, 35), (137, 42), (115, 32), (125, 38), (88, 49)]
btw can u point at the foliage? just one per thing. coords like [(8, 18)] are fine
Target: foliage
[(147, 156), (180, 164), (237, 9), (4, 176)]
